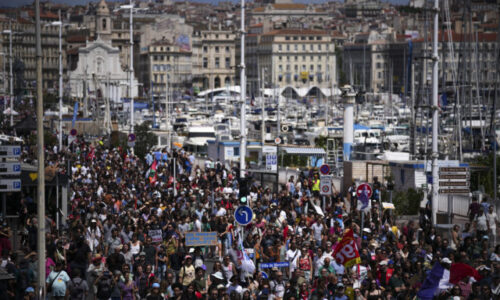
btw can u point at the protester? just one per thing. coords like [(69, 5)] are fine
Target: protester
[(125, 237)]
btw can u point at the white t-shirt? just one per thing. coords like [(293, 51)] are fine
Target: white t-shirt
[(482, 222), (493, 219), (293, 257), (221, 212), (317, 229)]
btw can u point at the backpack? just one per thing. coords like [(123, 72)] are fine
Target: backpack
[(104, 289), (77, 290)]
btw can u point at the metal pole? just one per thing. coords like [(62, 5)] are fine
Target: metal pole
[(175, 179), (412, 112), (243, 124), (262, 96), (60, 86), (131, 69), (435, 117), (153, 99), (11, 92), (41, 158)]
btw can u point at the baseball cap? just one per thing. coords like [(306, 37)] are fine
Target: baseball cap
[(30, 290), (156, 285)]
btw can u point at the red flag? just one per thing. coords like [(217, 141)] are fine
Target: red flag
[(346, 252), (459, 271), (91, 154), (152, 173)]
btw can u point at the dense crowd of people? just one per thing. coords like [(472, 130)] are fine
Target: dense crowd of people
[(124, 237)]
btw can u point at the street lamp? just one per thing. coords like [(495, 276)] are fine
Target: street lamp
[(3, 74), (131, 69), (11, 90), (60, 25)]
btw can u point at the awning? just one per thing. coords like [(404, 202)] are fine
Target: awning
[(304, 151)]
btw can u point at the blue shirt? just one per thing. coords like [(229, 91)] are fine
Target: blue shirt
[(58, 281)]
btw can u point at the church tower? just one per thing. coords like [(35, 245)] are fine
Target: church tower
[(103, 21)]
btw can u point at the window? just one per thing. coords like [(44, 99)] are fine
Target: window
[(302, 38), (296, 47), (379, 75), (288, 67), (378, 65), (303, 58), (287, 47), (205, 49), (311, 38), (205, 62), (228, 63), (295, 38), (156, 78), (155, 58), (288, 58), (217, 63), (104, 24), (296, 68), (236, 151), (303, 47), (216, 49), (312, 58), (280, 68), (296, 58), (318, 38), (227, 49), (280, 47), (287, 38), (311, 67), (319, 47), (319, 67), (304, 67), (162, 77), (280, 58), (311, 47)]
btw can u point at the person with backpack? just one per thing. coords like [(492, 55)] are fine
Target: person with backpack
[(104, 285), (78, 287), (57, 282)]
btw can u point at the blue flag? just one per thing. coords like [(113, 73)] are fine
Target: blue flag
[(431, 282)]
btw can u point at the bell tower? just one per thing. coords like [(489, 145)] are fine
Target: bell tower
[(103, 21)]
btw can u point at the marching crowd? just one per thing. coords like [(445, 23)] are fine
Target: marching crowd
[(128, 217)]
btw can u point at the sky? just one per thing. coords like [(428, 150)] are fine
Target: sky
[(11, 3)]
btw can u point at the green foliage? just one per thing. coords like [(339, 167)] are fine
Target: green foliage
[(118, 139), (340, 69), (320, 141), (406, 202), (145, 139), (292, 160), (482, 175)]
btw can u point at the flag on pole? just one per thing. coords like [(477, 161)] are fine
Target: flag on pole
[(152, 175), (247, 264), (346, 252)]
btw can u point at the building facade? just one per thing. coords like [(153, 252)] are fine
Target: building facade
[(99, 74), (301, 58), (213, 58)]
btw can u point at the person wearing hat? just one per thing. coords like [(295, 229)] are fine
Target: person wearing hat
[(155, 293), (29, 293), (187, 273)]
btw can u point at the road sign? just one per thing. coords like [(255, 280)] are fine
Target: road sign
[(10, 185), (73, 132), (269, 149), (131, 138), (324, 169), (243, 215), (454, 180), (271, 162), (454, 191), (283, 264), (453, 170), (364, 188), (131, 144), (10, 151), (277, 141), (325, 185), (10, 168)]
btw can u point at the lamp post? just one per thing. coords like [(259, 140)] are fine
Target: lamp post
[(131, 65), (11, 77), (243, 140), (60, 25)]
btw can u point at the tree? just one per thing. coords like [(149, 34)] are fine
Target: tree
[(144, 140)]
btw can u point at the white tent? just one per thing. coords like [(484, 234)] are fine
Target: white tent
[(8, 112)]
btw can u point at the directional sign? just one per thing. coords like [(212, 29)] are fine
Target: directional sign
[(10, 185), (243, 215), (131, 137), (324, 169), (454, 180), (325, 185), (454, 191), (73, 132), (10, 151), (10, 168)]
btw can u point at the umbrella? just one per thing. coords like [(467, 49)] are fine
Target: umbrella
[(8, 112)]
